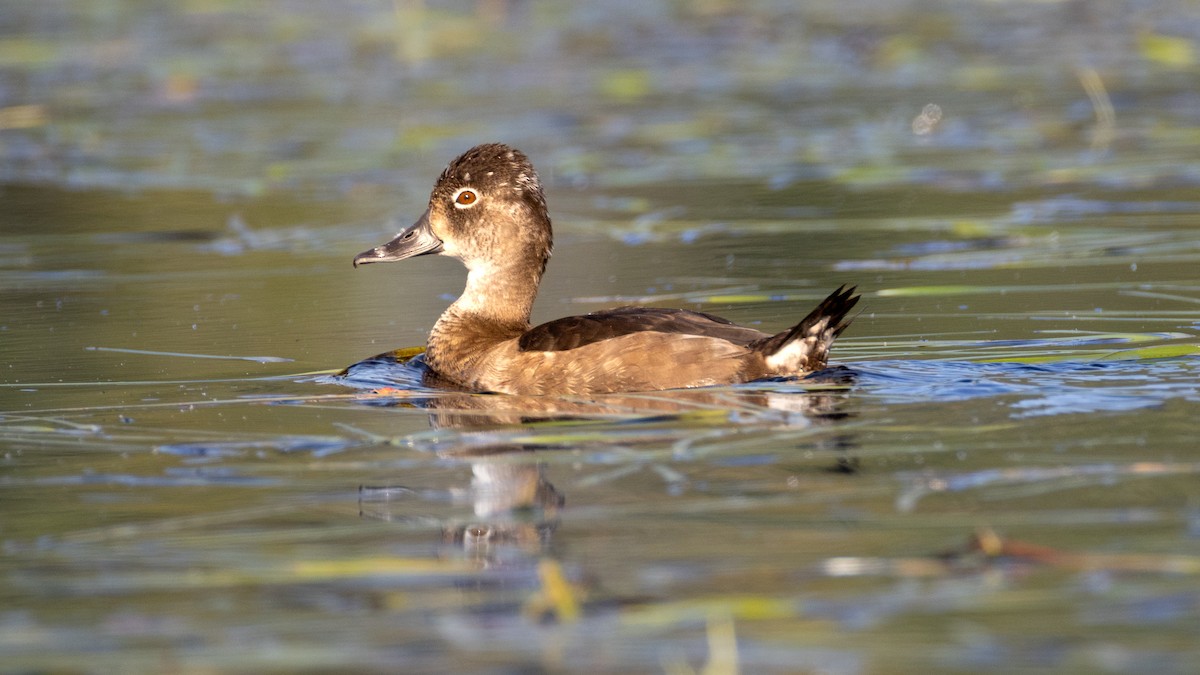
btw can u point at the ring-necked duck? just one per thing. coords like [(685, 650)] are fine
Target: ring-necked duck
[(487, 209)]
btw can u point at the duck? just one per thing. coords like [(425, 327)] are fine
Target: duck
[(488, 210)]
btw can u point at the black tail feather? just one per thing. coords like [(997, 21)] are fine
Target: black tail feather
[(828, 318)]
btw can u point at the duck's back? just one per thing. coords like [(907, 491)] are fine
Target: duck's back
[(573, 332)]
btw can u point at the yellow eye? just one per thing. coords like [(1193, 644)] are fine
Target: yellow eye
[(466, 197)]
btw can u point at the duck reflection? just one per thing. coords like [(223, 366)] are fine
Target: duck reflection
[(513, 505), (505, 438)]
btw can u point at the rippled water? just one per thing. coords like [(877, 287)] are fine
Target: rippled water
[(998, 473)]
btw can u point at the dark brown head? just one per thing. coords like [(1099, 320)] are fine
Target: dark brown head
[(487, 209)]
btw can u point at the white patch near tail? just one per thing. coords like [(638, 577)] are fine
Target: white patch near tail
[(796, 355)]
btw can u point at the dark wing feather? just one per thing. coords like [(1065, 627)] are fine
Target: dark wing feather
[(576, 331)]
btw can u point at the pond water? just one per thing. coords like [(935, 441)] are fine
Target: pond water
[(999, 472)]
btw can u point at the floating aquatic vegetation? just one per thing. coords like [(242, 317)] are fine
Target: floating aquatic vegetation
[(147, 352), (1041, 478)]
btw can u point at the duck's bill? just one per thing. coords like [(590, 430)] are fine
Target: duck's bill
[(410, 243)]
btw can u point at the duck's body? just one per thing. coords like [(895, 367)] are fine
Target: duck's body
[(488, 210)]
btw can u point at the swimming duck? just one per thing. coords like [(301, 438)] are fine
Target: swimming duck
[(487, 209)]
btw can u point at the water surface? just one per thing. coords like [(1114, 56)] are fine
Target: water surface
[(1000, 471)]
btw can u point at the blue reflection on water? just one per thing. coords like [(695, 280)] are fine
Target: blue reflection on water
[(1048, 389)]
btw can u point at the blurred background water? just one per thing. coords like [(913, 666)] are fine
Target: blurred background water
[(1001, 474)]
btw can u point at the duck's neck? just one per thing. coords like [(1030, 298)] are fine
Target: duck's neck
[(494, 306)]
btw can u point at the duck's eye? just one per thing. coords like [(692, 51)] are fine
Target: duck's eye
[(465, 197)]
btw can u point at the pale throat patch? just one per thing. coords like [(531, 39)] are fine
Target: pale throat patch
[(476, 297)]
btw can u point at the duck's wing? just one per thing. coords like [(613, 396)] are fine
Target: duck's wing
[(576, 331)]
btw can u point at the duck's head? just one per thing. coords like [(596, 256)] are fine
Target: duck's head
[(487, 209)]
